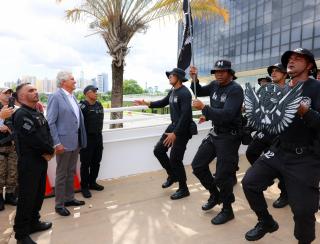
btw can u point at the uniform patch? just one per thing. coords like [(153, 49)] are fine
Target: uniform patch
[(26, 126), (214, 96), (223, 97)]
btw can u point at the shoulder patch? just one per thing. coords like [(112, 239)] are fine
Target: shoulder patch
[(83, 105), (27, 124)]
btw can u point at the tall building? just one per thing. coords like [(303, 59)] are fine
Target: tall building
[(256, 36), (29, 79), (102, 82)]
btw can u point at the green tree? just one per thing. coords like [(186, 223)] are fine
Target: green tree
[(43, 97), (131, 87), (117, 21)]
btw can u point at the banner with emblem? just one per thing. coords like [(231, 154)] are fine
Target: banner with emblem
[(185, 53)]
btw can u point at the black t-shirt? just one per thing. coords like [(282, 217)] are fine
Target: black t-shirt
[(225, 104), (32, 133), (93, 116), (180, 108), (303, 131)]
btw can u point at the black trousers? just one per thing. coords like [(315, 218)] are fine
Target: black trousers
[(32, 185), (260, 144), (301, 177), (225, 148), (173, 164), (90, 158)]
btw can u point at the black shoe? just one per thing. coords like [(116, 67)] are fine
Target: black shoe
[(86, 193), (281, 202), (95, 186), (212, 201), (26, 240), (1, 203), (169, 182), (11, 199), (74, 202), (180, 193), (62, 211), (223, 217), (261, 229), (40, 226)]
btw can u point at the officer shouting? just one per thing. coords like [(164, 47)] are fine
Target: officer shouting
[(90, 157), (177, 134), (292, 157), (223, 140), (262, 140), (34, 147)]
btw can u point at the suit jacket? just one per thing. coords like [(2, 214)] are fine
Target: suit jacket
[(63, 122)]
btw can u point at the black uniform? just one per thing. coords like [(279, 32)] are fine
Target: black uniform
[(181, 117), (90, 157), (223, 141), (293, 157), (33, 139)]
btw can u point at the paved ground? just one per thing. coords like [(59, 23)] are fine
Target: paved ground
[(135, 210)]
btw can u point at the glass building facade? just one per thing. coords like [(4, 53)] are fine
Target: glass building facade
[(257, 33)]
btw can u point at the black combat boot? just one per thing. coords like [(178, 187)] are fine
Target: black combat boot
[(11, 199), (223, 217), (180, 193), (1, 202), (281, 202), (262, 227), (211, 203), (95, 186), (169, 182)]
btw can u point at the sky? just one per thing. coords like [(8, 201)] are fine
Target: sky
[(36, 40)]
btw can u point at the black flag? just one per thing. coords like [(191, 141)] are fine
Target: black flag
[(185, 54)]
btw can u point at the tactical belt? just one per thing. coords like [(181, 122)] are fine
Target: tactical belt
[(295, 148), (221, 130)]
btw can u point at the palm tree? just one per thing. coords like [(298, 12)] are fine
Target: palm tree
[(118, 20)]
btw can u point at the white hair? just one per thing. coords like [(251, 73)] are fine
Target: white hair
[(62, 76)]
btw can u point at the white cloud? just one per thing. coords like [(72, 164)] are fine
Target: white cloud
[(35, 39)]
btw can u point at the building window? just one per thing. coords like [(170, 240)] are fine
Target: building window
[(295, 45), (296, 34), (307, 44), (307, 31), (285, 37), (266, 42), (275, 40), (316, 43)]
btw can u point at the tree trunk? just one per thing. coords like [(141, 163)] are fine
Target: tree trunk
[(117, 93)]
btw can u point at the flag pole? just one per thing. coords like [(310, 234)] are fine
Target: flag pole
[(192, 55)]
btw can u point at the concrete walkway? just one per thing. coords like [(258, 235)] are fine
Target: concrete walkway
[(136, 210)]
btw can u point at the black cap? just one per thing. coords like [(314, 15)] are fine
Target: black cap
[(302, 51), (90, 88), (277, 66), (178, 72), (267, 78), (224, 65)]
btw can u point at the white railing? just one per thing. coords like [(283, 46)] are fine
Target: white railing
[(147, 116)]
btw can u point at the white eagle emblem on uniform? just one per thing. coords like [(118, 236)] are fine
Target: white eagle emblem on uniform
[(271, 108)]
